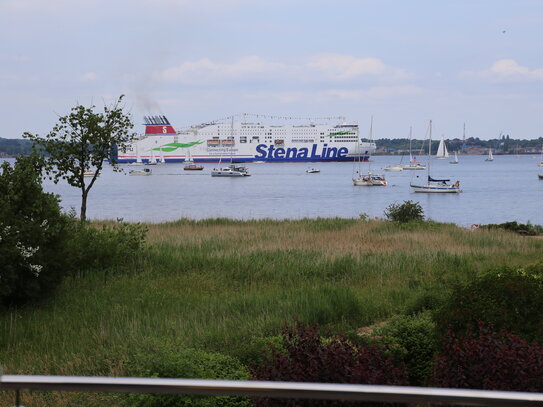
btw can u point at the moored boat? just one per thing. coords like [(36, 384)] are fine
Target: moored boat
[(227, 172), (414, 166), (144, 172), (433, 185), (191, 165), (368, 179)]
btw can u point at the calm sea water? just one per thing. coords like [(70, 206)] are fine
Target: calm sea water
[(503, 190)]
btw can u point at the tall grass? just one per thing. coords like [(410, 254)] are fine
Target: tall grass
[(225, 285)]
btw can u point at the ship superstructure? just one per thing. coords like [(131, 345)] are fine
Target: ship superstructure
[(243, 139)]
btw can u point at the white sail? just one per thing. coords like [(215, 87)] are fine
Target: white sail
[(455, 160), (490, 156), (442, 149), (138, 157)]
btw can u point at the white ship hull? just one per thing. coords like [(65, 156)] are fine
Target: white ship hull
[(247, 142)]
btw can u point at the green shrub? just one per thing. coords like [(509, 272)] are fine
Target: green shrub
[(407, 212), (522, 229), (428, 299), (170, 361), (415, 334), (112, 245), (509, 297), (33, 234)]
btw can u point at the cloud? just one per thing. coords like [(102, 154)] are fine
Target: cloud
[(318, 68), (346, 67), (507, 70), (375, 93), (89, 76), (205, 70)]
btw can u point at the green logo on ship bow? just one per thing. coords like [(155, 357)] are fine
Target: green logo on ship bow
[(168, 148)]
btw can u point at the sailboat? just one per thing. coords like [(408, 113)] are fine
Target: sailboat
[(190, 165), (413, 163), (455, 160), (435, 185), (138, 157), (398, 167), (162, 158), (369, 179), (540, 164), (231, 170), (490, 156), (152, 159), (442, 152)]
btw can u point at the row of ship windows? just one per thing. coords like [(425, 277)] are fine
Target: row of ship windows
[(269, 133)]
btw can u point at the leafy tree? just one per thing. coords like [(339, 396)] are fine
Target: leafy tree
[(82, 140), (33, 234)]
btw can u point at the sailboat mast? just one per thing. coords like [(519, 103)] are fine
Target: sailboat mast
[(429, 147), (231, 139), (371, 140), (410, 137)]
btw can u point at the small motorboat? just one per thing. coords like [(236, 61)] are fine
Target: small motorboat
[(89, 173), (312, 170), (144, 171), (414, 166), (229, 171), (394, 168), (193, 167)]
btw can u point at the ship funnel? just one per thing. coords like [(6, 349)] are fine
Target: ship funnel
[(158, 126)]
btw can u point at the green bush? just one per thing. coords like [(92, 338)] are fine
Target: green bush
[(170, 361), (415, 334), (33, 234), (112, 245), (522, 229), (407, 212), (508, 298)]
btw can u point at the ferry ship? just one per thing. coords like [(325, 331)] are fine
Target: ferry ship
[(246, 140)]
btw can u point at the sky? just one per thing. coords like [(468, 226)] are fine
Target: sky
[(477, 62)]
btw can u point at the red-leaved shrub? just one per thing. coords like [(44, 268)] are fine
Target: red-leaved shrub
[(490, 360), (307, 357)]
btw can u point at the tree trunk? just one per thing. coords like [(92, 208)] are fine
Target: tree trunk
[(83, 217)]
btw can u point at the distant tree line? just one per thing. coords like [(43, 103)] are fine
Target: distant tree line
[(504, 143), (14, 147)]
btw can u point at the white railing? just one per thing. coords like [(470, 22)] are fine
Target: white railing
[(351, 392)]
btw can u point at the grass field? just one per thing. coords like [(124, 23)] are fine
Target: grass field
[(223, 285)]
